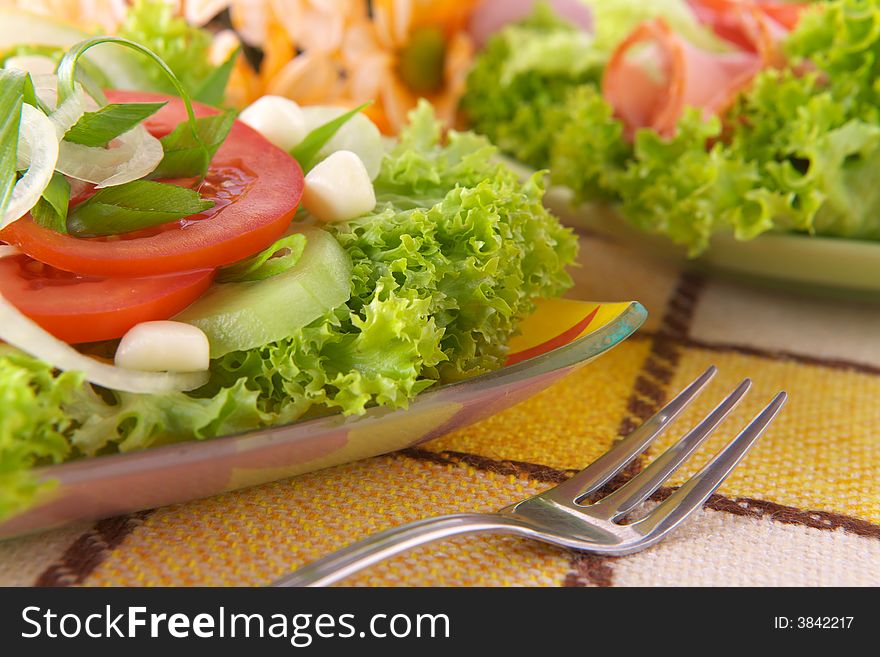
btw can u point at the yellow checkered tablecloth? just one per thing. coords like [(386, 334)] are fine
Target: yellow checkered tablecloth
[(802, 509)]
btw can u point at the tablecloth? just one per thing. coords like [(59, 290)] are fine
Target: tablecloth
[(802, 509)]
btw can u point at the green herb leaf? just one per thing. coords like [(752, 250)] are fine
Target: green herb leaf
[(67, 81), (29, 94), (51, 210), (277, 259), (13, 86), (133, 206), (213, 89), (306, 152), (186, 155), (100, 127)]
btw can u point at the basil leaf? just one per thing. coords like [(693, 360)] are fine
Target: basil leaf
[(277, 259), (99, 128), (306, 152), (13, 87), (213, 89), (51, 210), (187, 155), (133, 206)]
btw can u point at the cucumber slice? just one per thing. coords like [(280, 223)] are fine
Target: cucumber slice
[(359, 135), (120, 66), (240, 316)]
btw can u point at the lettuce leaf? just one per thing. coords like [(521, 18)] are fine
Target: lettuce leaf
[(520, 81), (185, 49), (455, 254), (33, 425)]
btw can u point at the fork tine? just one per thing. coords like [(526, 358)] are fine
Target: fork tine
[(635, 491), (603, 469), (690, 497)]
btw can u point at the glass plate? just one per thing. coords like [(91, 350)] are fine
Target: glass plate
[(836, 266), (817, 265), (559, 338)]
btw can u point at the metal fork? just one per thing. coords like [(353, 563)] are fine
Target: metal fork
[(557, 516)]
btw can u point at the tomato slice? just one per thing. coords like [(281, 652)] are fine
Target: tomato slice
[(77, 308), (257, 187)]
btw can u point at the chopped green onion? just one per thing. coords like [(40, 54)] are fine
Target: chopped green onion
[(13, 89), (67, 72), (185, 156), (277, 259), (134, 206), (306, 152), (51, 210), (213, 89)]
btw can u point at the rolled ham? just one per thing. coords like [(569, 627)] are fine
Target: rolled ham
[(753, 25), (655, 74)]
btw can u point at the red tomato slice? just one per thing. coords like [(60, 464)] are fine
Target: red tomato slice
[(79, 309), (257, 188)]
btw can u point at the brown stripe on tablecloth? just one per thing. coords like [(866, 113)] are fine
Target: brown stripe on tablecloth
[(590, 570), (648, 396), (739, 506), (88, 551), (649, 391), (787, 515), (521, 469), (769, 354)]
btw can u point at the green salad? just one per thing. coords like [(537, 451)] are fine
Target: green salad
[(794, 147), (402, 269)]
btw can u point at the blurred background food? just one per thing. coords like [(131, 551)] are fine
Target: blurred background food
[(343, 52)]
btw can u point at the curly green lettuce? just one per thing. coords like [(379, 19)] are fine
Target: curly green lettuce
[(520, 81), (33, 425), (518, 92), (797, 152), (455, 254)]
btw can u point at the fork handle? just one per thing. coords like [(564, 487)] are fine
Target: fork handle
[(355, 557)]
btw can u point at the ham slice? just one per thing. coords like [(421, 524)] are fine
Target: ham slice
[(655, 74), (754, 25)]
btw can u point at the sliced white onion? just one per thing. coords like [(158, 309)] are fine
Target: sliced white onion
[(37, 136), (46, 87), (70, 111), (63, 118), (131, 156), (23, 333)]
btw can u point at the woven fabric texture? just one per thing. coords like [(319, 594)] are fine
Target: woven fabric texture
[(803, 509)]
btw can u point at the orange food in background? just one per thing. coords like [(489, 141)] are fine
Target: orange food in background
[(322, 51), (333, 52)]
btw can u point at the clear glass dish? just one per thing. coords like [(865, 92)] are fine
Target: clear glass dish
[(560, 338)]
